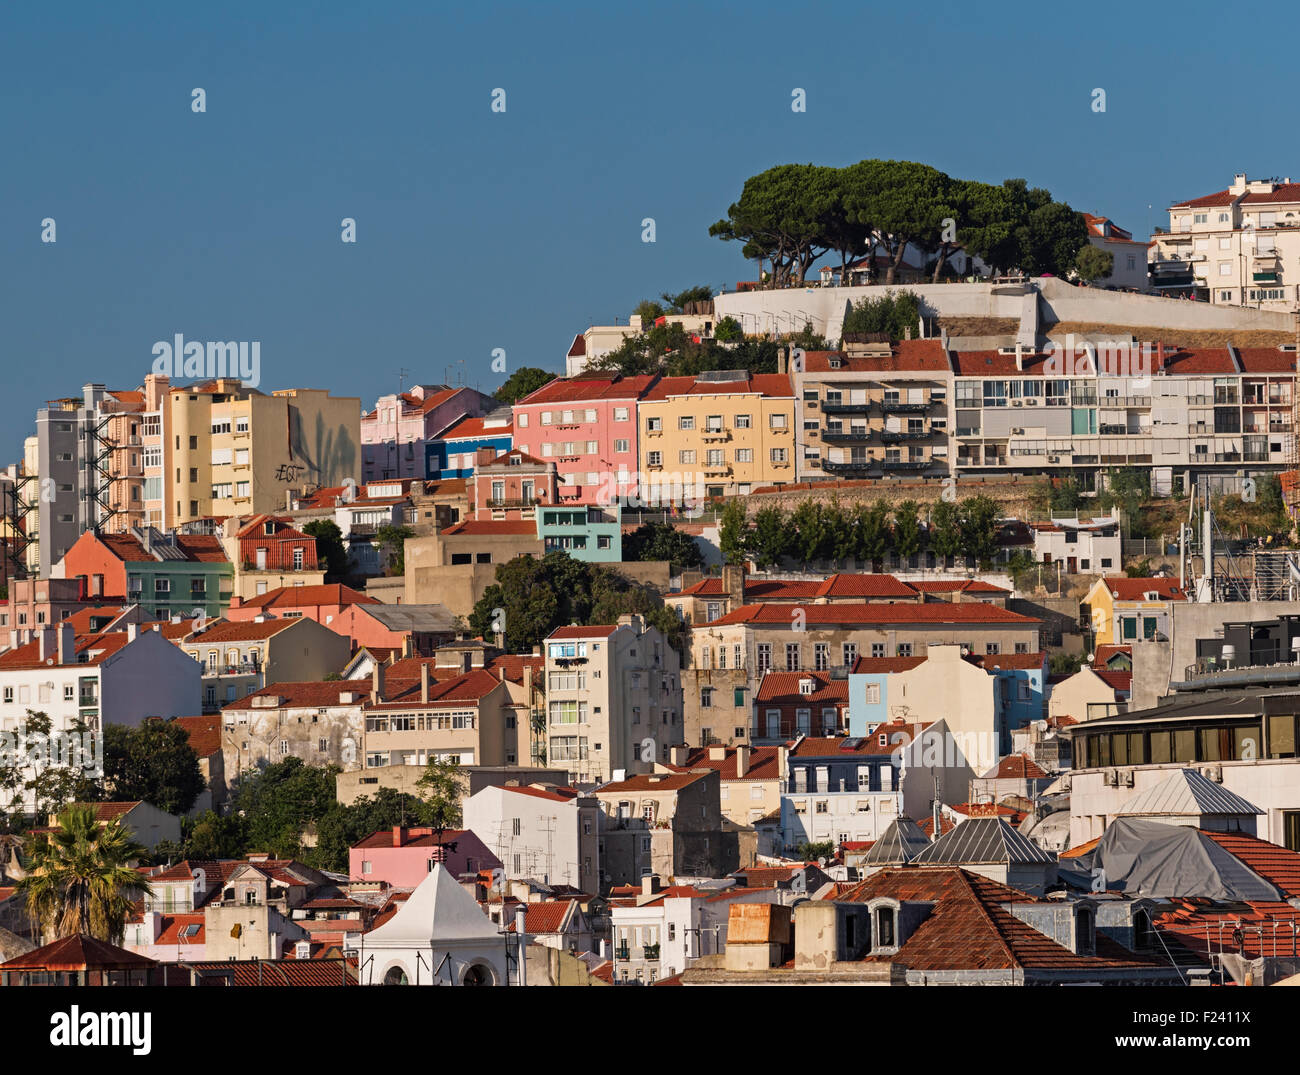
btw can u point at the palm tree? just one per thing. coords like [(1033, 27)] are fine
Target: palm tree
[(78, 880)]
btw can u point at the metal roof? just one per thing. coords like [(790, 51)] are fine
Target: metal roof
[(982, 840), (1186, 793), (413, 617), (900, 844)]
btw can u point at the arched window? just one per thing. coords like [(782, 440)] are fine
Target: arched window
[(479, 974), (396, 976)]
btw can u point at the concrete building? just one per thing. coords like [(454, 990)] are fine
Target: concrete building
[(396, 436), (721, 433), (1232, 247), (1078, 545), (1129, 270), (668, 824), (320, 722), (613, 699), (231, 450), (547, 833)]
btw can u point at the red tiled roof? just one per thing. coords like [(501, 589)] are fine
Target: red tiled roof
[(476, 427), (884, 665), (595, 631), (308, 693), (1123, 588), (459, 690), (764, 763), (577, 347), (1266, 360), (1221, 197), (242, 631), (78, 952), (959, 586), (896, 733), (1019, 767), (651, 782), (174, 924), (969, 928), (1276, 864), (1008, 661), (1081, 850), (941, 612), (202, 548), (559, 795), (1120, 681), (204, 733), (926, 825), (96, 648), (546, 917), (784, 687), (416, 836), (295, 973), (301, 596), (912, 356), (764, 384), (591, 387)]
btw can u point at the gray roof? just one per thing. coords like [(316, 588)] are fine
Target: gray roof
[(1186, 793), (413, 617), (982, 840), (900, 844)]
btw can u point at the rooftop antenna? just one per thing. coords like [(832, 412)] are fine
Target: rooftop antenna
[(402, 374)]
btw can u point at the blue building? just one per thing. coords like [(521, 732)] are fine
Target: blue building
[(1022, 677), (585, 531), (451, 453), (869, 680)]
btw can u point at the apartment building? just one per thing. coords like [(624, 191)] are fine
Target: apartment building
[(241, 658), (613, 699), (268, 552), (322, 723), (1123, 610), (231, 450), (751, 779), (542, 832), (172, 574), (1129, 270), (669, 824), (873, 410), (120, 677), (721, 433), (1232, 247), (397, 434), (97, 457), (588, 426), (451, 452)]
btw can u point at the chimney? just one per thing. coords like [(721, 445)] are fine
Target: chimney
[(521, 916), (733, 583), (677, 755), (650, 884), (1160, 355), (528, 680), (46, 637), (484, 455), (783, 359), (398, 833), (717, 753), (1020, 359), (131, 631), (742, 760), (67, 644), (424, 683), (13, 639), (377, 683)]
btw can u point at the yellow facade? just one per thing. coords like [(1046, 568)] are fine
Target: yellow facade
[(710, 439)]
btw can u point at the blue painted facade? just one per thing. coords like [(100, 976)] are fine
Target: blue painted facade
[(437, 450), (865, 714), (584, 531)]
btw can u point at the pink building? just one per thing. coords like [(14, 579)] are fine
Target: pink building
[(511, 485), (404, 856), (395, 434), (586, 426)]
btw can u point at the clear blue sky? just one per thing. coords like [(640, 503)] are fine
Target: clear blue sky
[(479, 230)]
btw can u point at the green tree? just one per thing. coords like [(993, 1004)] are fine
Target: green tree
[(440, 789), (213, 836), (807, 523), (662, 541), (523, 382), (770, 538), (892, 314), (978, 517), (153, 762), (875, 531), (907, 529), (346, 825), (728, 330), (391, 540), (331, 553), (281, 801), (815, 851), (79, 879), (1092, 263), (945, 530), (649, 311), (1064, 664), (683, 301), (733, 530)]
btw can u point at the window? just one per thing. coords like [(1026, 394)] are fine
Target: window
[(686, 456), (792, 656), (764, 657), (686, 422), (821, 656), (620, 446), (743, 421), (654, 459), (877, 649), (992, 648), (620, 414), (778, 455), (905, 649), (654, 425), (706, 698), (777, 421), (873, 693)]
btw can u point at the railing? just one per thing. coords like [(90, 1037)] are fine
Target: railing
[(850, 438), (514, 502), (650, 951), (846, 408), (846, 468), (898, 407), (894, 438), (907, 464), (622, 953)]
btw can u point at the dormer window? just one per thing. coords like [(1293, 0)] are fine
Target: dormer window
[(835, 362), (884, 739), (268, 529), (886, 925), (805, 686), (1085, 942)]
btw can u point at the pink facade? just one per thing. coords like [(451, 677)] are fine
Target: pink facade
[(403, 857), (394, 434), (587, 427), (509, 486)]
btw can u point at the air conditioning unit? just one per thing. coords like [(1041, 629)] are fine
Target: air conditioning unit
[(1017, 432), (1213, 772), (1112, 778), (1017, 403), (1127, 776), (1053, 458)]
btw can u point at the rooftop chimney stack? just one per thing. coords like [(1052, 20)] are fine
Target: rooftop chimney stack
[(650, 884), (46, 638), (424, 683), (377, 683), (742, 761), (67, 644)]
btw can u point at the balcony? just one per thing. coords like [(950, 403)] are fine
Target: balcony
[(906, 464), (651, 952), (623, 953), (899, 407), (846, 408), (512, 502), (894, 438), (856, 466), (857, 436)]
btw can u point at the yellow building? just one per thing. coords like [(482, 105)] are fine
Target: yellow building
[(1122, 610), (723, 433), (232, 450)]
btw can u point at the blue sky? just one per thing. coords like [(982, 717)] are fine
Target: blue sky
[(479, 230)]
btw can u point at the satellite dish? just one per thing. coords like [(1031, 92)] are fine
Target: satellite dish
[(1091, 657), (821, 861)]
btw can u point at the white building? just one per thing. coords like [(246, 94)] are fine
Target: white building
[(1130, 264), (120, 677), (1078, 545), (546, 833), (613, 698)]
